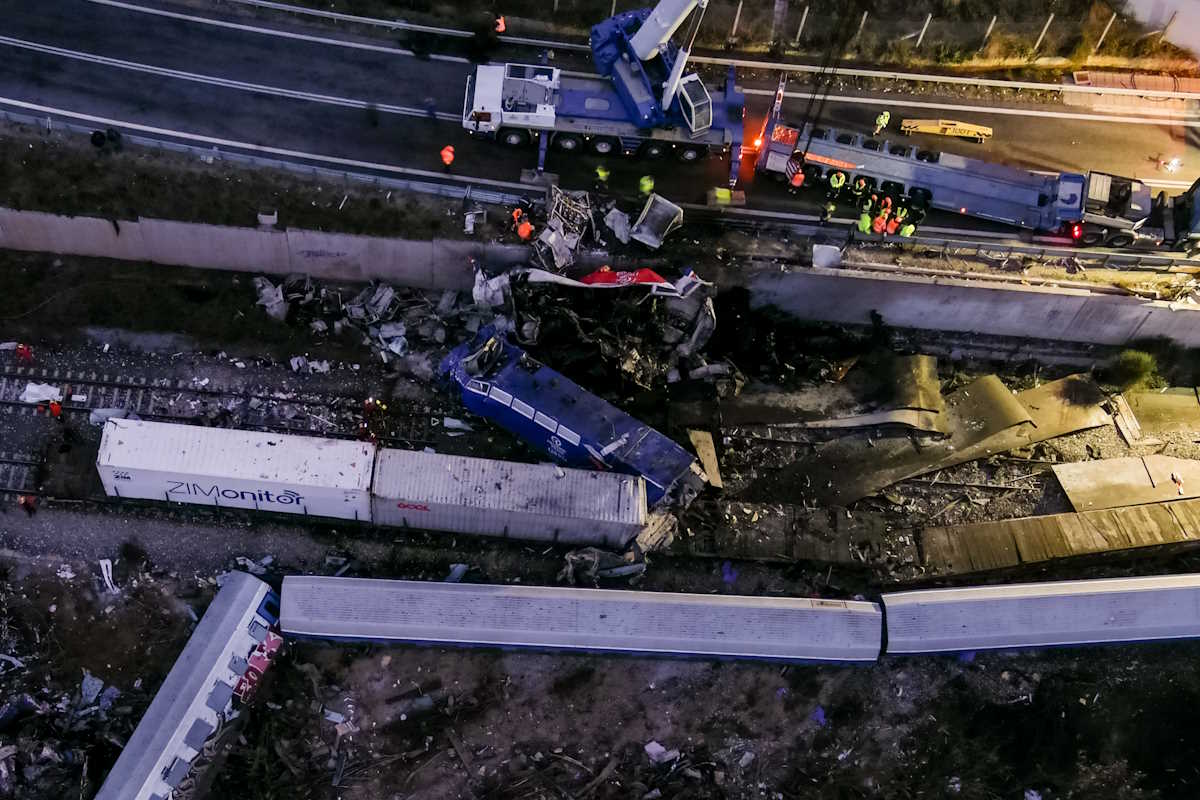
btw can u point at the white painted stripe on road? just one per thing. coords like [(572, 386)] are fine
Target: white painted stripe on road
[(227, 83), (782, 66), (1011, 112), (304, 37), (216, 142), (401, 24)]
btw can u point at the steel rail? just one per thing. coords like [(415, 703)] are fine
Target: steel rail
[(916, 77)]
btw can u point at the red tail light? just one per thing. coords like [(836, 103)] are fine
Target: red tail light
[(1076, 230), (758, 143)]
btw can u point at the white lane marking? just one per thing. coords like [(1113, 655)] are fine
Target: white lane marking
[(401, 24), (303, 37), (866, 73), (227, 83), (1011, 112), (257, 148)]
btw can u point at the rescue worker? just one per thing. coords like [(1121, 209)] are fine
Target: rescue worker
[(907, 230), (864, 222), (56, 410), (646, 185), (447, 156), (836, 181), (893, 225), (902, 213), (879, 224), (602, 174), (870, 204), (858, 189), (881, 122), (24, 354), (828, 212), (500, 26), (525, 229), (796, 182), (517, 213)]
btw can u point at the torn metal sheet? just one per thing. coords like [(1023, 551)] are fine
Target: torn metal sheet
[(618, 222), (853, 467), (916, 383), (1174, 410), (959, 549), (658, 218), (1114, 482)]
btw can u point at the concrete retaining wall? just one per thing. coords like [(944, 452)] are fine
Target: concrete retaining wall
[(1072, 315), (436, 264)]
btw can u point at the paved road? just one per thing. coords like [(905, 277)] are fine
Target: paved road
[(222, 55)]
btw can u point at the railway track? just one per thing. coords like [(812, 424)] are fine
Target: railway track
[(199, 402), (18, 473)]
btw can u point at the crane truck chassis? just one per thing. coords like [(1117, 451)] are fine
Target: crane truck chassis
[(618, 110)]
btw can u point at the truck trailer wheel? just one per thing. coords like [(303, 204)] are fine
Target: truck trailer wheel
[(568, 143), (603, 146), (1091, 238), (512, 137), (690, 153), (1120, 240), (653, 150)]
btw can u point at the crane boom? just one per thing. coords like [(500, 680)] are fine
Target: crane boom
[(660, 26)]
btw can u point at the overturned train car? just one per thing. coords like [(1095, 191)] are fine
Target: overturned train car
[(502, 383)]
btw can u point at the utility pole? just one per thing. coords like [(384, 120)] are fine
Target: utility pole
[(800, 30), (988, 34), (1104, 33), (862, 22), (1042, 35), (921, 35)]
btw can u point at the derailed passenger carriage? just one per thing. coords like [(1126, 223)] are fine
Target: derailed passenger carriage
[(1058, 613), (502, 383), (216, 673), (589, 620)]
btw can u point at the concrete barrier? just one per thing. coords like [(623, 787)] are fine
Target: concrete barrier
[(436, 264), (970, 306)]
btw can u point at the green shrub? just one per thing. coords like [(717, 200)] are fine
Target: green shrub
[(1132, 369)]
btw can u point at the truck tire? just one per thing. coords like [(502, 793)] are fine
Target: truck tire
[(652, 151), (604, 146), (1120, 240), (1091, 237), (511, 137), (690, 153), (568, 143)]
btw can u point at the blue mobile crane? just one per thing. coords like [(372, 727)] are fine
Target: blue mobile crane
[(640, 102)]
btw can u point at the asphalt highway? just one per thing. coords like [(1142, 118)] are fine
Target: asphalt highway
[(298, 87)]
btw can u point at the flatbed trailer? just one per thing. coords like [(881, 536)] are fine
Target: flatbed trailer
[(1092, 209)]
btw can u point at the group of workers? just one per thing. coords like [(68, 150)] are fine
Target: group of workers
[(881, 215), (878, 212)]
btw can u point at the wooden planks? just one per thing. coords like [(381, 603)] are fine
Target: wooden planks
[(959, 549)]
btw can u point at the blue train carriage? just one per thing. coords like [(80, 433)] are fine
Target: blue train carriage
[(502, 383)]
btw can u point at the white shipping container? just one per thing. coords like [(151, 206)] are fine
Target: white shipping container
[(501, 498), (237, 469)]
